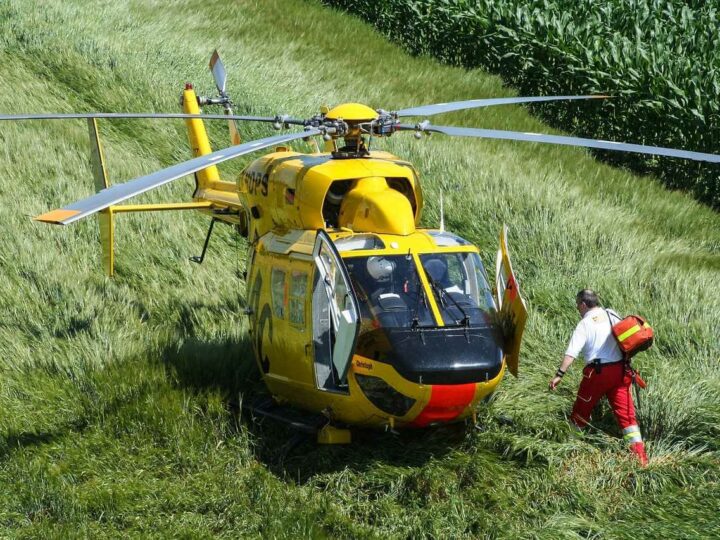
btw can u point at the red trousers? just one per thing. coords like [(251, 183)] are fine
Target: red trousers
[(613, 381)]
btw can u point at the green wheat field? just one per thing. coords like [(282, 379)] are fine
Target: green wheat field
[(120, 398)]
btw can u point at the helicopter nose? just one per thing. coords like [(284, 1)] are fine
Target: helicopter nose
[(447, 402)]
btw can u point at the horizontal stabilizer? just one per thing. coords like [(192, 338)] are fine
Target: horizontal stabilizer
[(121, 192)]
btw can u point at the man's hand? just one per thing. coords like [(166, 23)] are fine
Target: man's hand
[(554, 382)]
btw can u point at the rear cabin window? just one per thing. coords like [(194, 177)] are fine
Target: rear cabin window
[(296, 300), (277, 284)]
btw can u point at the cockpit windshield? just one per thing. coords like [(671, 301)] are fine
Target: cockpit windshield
[(460, 287), (389, 291)]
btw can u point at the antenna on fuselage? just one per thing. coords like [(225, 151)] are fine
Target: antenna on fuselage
[(442, 214)]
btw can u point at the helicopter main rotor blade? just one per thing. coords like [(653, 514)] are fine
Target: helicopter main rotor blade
[(558, 139), (65, 116), (437, 108), (121, 192)]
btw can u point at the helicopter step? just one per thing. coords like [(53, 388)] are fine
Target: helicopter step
[(312, 424)]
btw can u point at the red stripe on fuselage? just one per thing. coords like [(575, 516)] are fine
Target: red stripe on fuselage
[(447, 401)]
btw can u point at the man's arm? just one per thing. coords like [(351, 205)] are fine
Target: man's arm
[(574, 349), (561, 371)]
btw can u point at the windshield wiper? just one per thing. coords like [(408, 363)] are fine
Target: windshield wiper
[(441, 295), (415, 317)]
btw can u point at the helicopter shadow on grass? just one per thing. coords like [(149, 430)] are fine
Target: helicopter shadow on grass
[(229, 367), (299, 459), (91, 404), (200, 365)]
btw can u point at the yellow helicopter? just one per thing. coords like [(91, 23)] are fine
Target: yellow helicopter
[(356, 312)]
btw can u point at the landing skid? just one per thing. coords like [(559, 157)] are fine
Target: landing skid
[(304, 422)]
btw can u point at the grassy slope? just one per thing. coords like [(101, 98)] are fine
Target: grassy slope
[(117, 397)]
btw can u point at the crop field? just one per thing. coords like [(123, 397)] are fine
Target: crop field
[(659, 59), (120, 398)]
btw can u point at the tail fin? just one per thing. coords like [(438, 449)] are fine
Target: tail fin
[(106, 218)]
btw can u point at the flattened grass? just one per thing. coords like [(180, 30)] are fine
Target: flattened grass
[(119, 398)]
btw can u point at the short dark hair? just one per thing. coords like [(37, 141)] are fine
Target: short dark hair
[(588, 297)]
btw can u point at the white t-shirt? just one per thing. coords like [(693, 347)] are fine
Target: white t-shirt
[(593, 338)]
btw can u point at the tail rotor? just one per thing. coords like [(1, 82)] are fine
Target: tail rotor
[(220, 75)]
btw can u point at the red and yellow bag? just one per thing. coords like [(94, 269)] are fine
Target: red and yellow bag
[(633, 335)]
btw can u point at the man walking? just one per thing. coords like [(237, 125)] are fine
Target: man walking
[(605, 374)]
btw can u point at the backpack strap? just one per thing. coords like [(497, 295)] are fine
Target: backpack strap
[(610, 313)]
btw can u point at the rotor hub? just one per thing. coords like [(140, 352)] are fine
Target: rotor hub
[(352, 113)]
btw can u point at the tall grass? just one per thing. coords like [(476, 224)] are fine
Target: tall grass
[(120, 399)]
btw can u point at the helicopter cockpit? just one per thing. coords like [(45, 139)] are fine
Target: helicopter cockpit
[(424, 305), (391, 292)]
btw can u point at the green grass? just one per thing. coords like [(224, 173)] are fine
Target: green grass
[(119, 398)]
